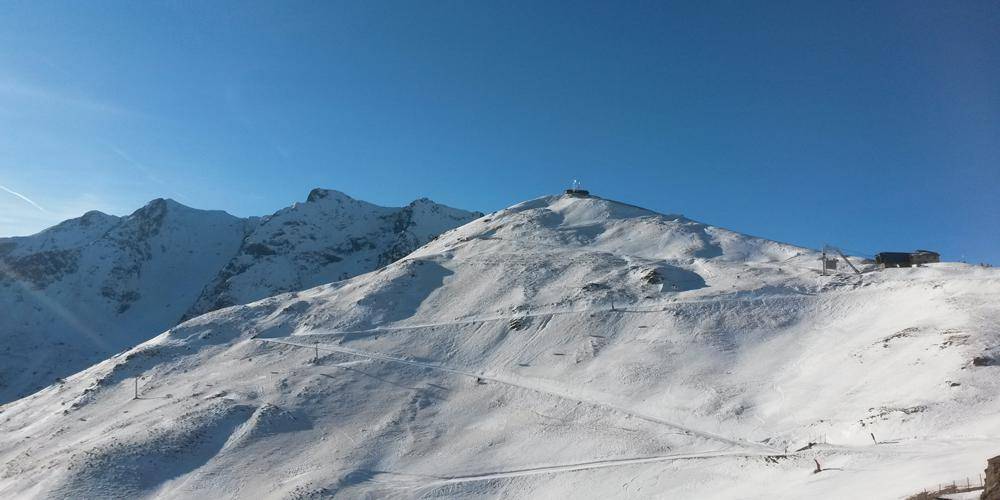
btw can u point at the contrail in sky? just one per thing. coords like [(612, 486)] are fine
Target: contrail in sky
[(23, 197)]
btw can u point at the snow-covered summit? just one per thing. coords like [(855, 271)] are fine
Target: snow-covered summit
[(89, 287), (329, 238), (331, 196), (564, 347), (570, 222)]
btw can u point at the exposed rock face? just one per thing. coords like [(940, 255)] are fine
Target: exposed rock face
[(992, 479), (42, 268), (330, 237), (984, 361), (89, 287)]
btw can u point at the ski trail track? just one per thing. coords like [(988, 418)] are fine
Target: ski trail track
[(549, 314), (424, 482), (596, 464), (549, 392)]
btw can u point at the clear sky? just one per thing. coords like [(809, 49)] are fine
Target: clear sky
[(869, 125)]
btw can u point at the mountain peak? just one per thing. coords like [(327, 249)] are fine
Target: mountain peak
[(159, 206), (318, 194), (579, 210), (122, 279), (569, 223), (89, 219), (94, 214)]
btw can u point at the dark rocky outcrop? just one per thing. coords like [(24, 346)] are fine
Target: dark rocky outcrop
[(40, 269), (984, 361), (992, 479)]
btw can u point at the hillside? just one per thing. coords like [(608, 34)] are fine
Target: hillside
[(90, 287), (329, 238), (562, 348)]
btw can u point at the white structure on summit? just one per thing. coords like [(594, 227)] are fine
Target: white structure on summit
[(576, 190)]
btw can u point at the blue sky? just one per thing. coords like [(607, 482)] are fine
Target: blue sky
[(870, 125)]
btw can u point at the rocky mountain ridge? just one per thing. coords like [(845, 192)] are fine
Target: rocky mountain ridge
[(94, 285)]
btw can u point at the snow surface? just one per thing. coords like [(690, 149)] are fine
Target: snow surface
[(562, 348), (90, 287)]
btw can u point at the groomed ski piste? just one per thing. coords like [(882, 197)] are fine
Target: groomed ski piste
[(566, 347)]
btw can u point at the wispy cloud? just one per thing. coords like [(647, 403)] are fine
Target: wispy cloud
[(23, 197), (138, 165), (32, 92)]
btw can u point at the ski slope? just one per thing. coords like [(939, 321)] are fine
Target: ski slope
[(563, 347)]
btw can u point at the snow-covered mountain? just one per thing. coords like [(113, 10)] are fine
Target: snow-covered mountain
[(565, 347), (90, 287), (329, 238)]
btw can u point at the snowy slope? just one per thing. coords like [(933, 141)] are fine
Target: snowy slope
[(90, 287), (329, 238), (562, 348)]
